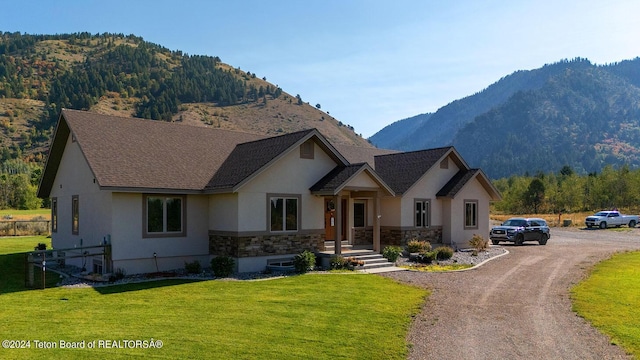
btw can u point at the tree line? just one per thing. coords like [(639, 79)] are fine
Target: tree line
[(567, 191)]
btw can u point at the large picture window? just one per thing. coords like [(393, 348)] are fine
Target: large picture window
[(164, 215), (283, 214), (75, 215), (423, 213), (470, 214)]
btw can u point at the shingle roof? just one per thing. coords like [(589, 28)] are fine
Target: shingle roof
[(358, 154), (336, 178), (130, 153), (402, 170), (457, 182), (247, 158)]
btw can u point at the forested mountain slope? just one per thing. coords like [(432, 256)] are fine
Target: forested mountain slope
[(125, 75), (569, 113)]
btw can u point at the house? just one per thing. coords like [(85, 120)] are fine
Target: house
[(163, 194)]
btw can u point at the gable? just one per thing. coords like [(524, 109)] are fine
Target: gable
[(248, 160), (402, 170)]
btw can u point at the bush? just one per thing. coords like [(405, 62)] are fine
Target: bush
[(222, 266), (193, 267), (443, 253), (479, 243), (305, 261), (392, 253), (417, 246), (119, 274), (338, 262), (427, 257)]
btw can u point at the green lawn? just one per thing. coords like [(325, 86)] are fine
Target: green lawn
[(610, 300), (314, 316)]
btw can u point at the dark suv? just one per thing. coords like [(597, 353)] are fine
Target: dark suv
[(519, 230)]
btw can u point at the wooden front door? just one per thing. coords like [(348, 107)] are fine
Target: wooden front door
[(329, 220)]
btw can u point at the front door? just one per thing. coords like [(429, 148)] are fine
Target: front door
[(330, 220)]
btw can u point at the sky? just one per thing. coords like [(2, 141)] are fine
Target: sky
[(368, 63)]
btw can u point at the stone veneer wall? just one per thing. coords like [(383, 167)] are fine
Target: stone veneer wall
[(363, 236), (400, 237), (230, 244)]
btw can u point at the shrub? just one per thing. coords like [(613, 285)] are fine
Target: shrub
[(392, 253), (479, 243), (443, 253), (427, 257), (222, 266), (119, 274), (305, 261), (338, 262), (353, 262), (41, 246), (417, 246), (193, 267)]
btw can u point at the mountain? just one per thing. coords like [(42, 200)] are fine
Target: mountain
[(393, 135), (127, 76), (568, 113)]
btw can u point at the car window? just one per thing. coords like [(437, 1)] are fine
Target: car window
[(543, 223), (535, 223), (514, 222)]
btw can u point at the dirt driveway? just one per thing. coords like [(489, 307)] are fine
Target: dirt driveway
[(516, 306)]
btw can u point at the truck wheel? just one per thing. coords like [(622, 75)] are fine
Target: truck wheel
[(603, 225), (588, 226), (632, 223), (519, 239), (495, 242), (543, 239)]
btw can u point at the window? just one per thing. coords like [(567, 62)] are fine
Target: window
[(164, 215), (359, 214), (54, 214), (306, 150), (470, 214), (75, 215), (423, 213), (283, 214)]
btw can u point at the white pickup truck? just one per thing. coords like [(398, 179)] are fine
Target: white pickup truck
[(605, 219)]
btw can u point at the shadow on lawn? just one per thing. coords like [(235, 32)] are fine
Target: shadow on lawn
[(13, 274), (144, 285)]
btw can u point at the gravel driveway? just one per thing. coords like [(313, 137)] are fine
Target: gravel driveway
[(516, 306)]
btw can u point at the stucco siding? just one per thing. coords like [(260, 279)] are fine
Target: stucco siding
[(474, 192), (129, 244), (289, 175), (389, 210), (223, 212), (74, 178), (427, 188)]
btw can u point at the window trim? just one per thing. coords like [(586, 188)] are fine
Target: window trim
[(364, 213), (164, 233), (54, 215), (284, 197), (425, 219), (75, 215), (474, 225)]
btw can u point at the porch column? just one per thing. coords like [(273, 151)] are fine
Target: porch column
[(376, 223), (337, 200)]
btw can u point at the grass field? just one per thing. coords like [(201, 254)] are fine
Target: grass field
[(319, 316), (610, 300), (25, 214)]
